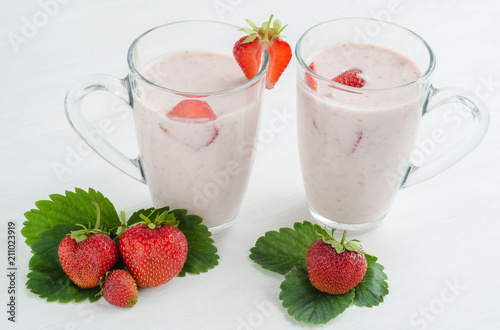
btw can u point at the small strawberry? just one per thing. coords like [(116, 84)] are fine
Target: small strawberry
[(335, 267), (310, 81), (87, 254), (197, 110), (154, 252), (350, 78), (248, 50), (119, 288)]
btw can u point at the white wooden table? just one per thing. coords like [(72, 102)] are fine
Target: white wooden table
[(439, 244)]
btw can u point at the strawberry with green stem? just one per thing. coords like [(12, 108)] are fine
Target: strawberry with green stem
[(87, 254), (248, 50), (154, 252), (335, 267)]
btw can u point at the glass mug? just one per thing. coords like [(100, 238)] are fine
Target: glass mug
[(355, 144), (202, 166)]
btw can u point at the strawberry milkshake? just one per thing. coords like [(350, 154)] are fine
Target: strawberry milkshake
[(195, 88), (196, 152), (355, 146)]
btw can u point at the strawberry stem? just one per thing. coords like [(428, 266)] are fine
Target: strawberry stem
[(123, 224), (145, 218), (163, 219), (343, 244), (82, 234), (343, 237), (98, 220), (267, 28)]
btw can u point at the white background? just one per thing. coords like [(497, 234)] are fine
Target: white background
[(439, 244)]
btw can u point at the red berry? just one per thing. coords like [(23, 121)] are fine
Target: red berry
[(120, 289), (192, 112), (248, 56), (153, 253), (248, 51), (332, 271), (350, 78), (87, 254), (87, 261), (310, 81), (192, 109), (280, 54)]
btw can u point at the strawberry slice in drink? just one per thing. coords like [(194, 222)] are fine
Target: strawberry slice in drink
[(192, 128), (310, 81), (359, 136), (192, 110), (350, 78)]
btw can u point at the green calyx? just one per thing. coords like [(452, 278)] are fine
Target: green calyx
[(161, 220), (265, 33), (101, 283), (123, 224), (82, 234), (343, 245)]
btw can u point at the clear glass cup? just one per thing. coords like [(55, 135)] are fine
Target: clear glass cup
[(201, 166), (355, 144)]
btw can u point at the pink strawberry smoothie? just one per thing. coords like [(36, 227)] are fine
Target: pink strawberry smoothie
[(355, 147), (202, 164)]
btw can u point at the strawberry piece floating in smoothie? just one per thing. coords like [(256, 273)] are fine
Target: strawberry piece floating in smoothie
[(310, 81), (350, 78), (192, 109)]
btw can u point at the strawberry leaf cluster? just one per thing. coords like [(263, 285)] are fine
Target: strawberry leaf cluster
[(53, 219), (284, 252)]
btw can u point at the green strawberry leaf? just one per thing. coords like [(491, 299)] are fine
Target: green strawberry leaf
[(74, 207), (202, 253), (307, 304), (373, 287), (280, 251)]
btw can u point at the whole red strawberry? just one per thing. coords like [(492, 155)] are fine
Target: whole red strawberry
[(350, 78), (120, 289), (154, 252), (335, 267), (248, 51), (87, 254)]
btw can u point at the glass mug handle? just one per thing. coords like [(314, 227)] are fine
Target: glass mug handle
[(72, 104), (480, 118)]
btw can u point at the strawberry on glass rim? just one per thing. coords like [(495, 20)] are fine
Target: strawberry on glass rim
[(248, 50)]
